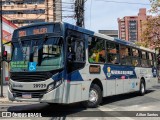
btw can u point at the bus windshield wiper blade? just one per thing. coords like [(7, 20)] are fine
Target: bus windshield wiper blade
[(20, 43), (24, 54)]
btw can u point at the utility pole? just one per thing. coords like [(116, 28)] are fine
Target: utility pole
[(47, 11), (54, 10), (79, 11), (57, 10), (1, 37)]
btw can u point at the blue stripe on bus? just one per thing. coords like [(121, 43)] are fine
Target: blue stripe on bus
[(58, 76), (113, 72), (75, 76)]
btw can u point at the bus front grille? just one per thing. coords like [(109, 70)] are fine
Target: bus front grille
[(34, 94), (30, 77)]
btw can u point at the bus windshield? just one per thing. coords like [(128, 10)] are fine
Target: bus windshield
[(43, 54)]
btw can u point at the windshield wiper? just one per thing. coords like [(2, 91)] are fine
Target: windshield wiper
[(21, 46), (20, 43)]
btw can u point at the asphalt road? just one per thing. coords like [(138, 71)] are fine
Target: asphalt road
[(120, 107)]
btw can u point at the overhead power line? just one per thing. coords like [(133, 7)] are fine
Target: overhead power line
[(123, 2)]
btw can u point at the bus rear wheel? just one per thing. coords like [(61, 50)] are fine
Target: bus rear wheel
[(142, 88), (95, 97)]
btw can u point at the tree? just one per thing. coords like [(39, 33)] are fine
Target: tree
[(155, 4), (151, 33)]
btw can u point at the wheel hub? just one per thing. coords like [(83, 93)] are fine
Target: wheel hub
[(93, 96), (142, 88)]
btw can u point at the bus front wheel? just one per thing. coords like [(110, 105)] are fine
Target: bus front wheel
[(95, 96), (142, 88)]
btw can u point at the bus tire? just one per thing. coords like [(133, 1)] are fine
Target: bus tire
[(142, 88), (95, 97)]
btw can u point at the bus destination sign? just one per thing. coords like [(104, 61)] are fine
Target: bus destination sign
[(39, 31), (36, 31), (22, 33)]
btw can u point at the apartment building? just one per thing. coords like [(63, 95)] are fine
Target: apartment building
[(24, 12), (131, 27)]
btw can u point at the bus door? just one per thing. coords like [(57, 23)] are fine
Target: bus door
[(76, 57)]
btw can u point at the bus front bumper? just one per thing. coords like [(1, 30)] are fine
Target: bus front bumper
[(54, 96)]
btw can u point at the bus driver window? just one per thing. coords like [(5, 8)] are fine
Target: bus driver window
[(79, 51)]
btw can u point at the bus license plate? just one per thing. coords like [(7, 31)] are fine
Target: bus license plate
[(26, 96)]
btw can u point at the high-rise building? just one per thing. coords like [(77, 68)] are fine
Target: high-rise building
[(24, 12), (131, 27)]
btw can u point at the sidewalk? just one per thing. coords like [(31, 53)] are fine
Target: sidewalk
[(4, 99)]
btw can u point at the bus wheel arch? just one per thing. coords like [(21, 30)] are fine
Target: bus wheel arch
[(95, 94), (98, 82), (142, 87)]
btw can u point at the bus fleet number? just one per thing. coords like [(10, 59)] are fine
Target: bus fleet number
[(39, 85)]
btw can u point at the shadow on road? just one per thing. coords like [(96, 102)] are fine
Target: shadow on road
[(117, 98), (72, 110)]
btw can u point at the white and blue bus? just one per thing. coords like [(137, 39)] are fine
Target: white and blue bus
[(62, 63)]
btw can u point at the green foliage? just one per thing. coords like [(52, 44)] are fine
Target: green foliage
[(155, 4), (151, 34)]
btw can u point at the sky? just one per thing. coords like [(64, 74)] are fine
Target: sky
[(103, 14)]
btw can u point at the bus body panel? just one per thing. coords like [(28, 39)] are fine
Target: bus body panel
[(111, 87), (148, 74), (76, 91), (115, 79), (54, 96), (119, 86), (127, 85)]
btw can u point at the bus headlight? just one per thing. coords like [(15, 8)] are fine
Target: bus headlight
[(54, 85)]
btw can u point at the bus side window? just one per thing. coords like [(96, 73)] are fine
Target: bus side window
[(135, 57), (76, 49), (79, 51), (75, 53), (125, 55), (144, 61), (71, 47), (112, 53), (150, 59), (96, 51)]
